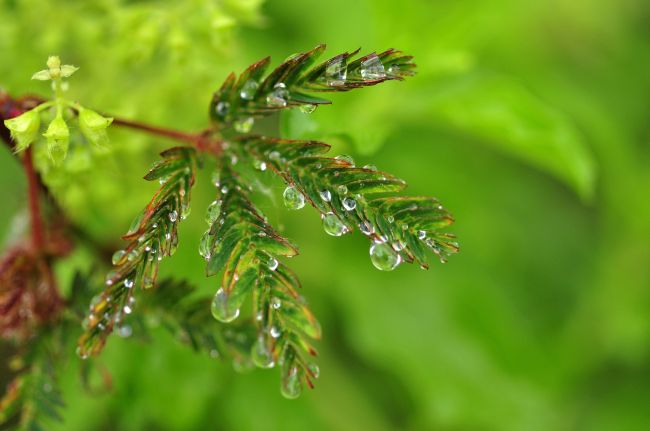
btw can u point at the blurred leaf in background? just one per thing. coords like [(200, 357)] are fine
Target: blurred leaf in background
[(529, 120)]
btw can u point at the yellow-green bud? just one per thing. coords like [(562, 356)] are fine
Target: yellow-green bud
[(24, 128), (58, 137), (93, 126)]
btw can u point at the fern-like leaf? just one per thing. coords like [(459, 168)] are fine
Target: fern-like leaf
[(153, 235), (401, 228), (246, 247), (291, 84)]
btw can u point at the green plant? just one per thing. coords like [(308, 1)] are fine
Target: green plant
[(240, 243)]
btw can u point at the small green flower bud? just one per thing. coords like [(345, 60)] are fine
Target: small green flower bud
[(58, 137), (93, 126), (53, 62), (24, 128)]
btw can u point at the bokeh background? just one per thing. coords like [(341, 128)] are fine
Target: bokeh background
[(529, 120)]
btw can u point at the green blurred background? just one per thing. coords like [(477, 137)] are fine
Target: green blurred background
[(529, 120)]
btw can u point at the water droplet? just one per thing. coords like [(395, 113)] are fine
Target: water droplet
[(372, 68), (275, 156), (205, 246), (244, 125), (398, 246), (325, 195), (276, 303), (213, 212), (111, 276), (366, 228), (308, 108), (336, 72), (127, 309), (259, 316), (332, 225), (118, 256), (224, 189), (291, 386), (278, 97), (222, 109), (390, 219), (314, 370), (128, 283), (124, 331), (349, 204), (384, 257), (249, 89), (233, 159), (216, 179), (173, 216), (273, 263), (293, 199), (422, 234), (275, 332), (261, 354), (221, 308), (370, 167), (259, 164), (345, 158)]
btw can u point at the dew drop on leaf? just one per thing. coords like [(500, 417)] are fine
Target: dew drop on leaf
[(118, 256), (261, 354), (325, 195), (213, 212), (372, 68), (173, 216), (248, 90), (293, 199), (274, 331), (259, 165), (370, 167), (384, 257), (291, 386), (244, 125), (273, 263), (205, 246), (349, 204), (333, 225), (308, 108), (276, 303), (336, 72), (221, 308), (278, 97), (345, 158), (222, 109)]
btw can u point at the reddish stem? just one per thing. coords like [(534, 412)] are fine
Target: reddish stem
[(33, 187), (160, 131)]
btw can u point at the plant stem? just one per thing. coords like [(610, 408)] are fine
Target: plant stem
[(33, 187), (160, 131)]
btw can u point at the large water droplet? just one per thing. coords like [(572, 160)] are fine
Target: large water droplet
[(333, 225), (261, 354), (128, 283), (308, 108), (173, 216), (279, 96), (213, 212), (205, 246), (273, 263), (259, 164), (291, 386), (325, 195), (384, 257), (349, 204), (336, 72), (275, 332), (244, 125), (222, 109), (248, 90), (372, 68), (118, 256), (221, 308), (345, 158), (293, 199)]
